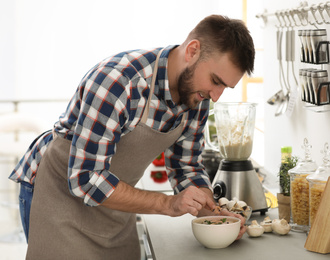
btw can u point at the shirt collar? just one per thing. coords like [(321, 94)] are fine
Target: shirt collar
[(163, 77)]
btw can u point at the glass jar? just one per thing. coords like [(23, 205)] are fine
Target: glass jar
[(317, 182), (302, 45), (286, 152), (309, 86), (309, 51), (303, 82), (318, 77), (319, 51), (299, 190)]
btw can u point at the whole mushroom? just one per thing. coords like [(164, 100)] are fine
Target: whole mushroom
[(255, 230), (267, 224), (223, 202), (281, 227)]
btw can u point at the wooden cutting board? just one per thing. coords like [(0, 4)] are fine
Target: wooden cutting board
[(318, 239)]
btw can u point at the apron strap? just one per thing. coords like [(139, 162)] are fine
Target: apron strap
[(152, 87)]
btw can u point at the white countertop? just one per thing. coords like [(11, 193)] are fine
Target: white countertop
[(172, 238)]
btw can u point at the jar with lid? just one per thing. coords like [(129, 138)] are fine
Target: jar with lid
[(309, 86), (286, 153), (319, 48), (299, 190), (317, 182), (303, 83), (302, 45), (309, 51), (318, 77)]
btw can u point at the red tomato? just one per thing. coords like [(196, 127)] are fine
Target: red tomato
[(159, 176), (160, 160)]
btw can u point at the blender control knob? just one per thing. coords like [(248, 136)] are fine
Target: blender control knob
[(219, 190)]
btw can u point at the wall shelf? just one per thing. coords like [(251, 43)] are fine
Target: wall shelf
[(319, 109)]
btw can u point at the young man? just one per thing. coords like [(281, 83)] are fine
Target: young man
[(126, 111)]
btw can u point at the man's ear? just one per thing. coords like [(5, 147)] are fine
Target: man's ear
[(192, 52)]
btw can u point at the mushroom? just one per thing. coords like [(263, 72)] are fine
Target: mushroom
[(267, 224), (255, 230), (242, 204), (281, 227), (223, 202), (231, 205)]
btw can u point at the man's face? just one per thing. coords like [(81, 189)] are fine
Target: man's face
[(207, 80)]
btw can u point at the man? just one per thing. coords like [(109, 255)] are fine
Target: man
[(126, 111)]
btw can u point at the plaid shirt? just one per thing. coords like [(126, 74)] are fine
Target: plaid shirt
[(108, 104)]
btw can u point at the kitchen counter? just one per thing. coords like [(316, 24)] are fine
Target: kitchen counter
[(172, 238)]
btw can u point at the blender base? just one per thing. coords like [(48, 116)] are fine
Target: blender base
[(238, 179)]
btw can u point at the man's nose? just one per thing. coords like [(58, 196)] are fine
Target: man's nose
[(216, 93)]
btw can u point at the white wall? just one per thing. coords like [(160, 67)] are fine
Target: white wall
[(46, 46), (56, 42), (284, 130)]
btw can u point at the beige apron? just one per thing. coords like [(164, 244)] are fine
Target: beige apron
[(62, 227)]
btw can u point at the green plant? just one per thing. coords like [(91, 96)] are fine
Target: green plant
[(288, 164)]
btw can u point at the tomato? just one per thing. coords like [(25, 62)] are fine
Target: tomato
[(160, 160), (159, 176)]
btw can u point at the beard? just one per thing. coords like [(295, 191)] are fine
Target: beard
[(186, 87)]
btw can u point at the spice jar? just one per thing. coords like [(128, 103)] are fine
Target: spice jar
[(319, 50), (318, 77), (303, 82), (309, 50), (309, 86), (317, 182), (302, 45), (299, 190)]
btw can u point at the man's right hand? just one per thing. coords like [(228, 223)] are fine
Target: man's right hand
[(190, 200)]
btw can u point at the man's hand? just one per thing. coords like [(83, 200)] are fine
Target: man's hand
[(191, 200), (129, 199), (225, 212)]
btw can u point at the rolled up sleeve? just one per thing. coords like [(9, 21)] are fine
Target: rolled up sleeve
[(102, 114)]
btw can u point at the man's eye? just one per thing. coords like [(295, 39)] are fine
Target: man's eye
[(216, 82)]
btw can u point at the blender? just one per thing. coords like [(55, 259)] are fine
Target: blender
[(236, 176)]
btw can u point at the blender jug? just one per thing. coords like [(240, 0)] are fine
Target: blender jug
[(236, 177), (235, 128)]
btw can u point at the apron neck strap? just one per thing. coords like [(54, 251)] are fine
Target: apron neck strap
[(152, 87)]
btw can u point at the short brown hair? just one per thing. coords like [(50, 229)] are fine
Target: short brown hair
[(225, 35)]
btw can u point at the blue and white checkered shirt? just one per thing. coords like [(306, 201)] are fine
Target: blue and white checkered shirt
[(108, 104)]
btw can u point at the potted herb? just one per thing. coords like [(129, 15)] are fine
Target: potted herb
[(283, 197)]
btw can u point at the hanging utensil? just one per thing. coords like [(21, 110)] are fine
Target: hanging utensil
[(283, 100), (279, 95), (288, 54), (293, 92)]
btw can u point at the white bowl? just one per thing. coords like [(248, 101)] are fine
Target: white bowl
[(216, 236)]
